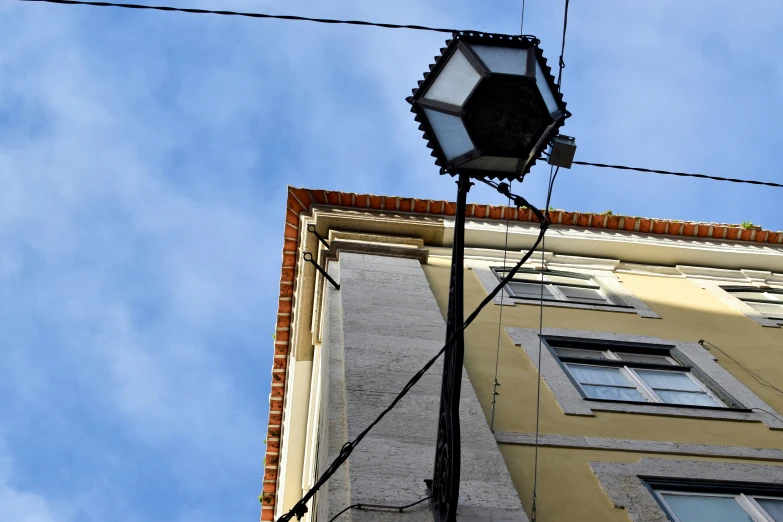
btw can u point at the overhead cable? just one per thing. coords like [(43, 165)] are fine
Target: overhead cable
[(245, 14), (378, 507), (561, 63), (552, 177), (522, 21), (300, 508), (682, 174), (500, 318), (761, 380)]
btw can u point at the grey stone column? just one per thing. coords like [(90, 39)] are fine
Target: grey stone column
[(379, 331)]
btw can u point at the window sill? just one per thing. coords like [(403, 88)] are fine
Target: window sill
[(578, 306), (534, 300), (664, 405)]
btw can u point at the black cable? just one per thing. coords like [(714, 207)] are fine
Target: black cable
[(300, 508), (768, 412), (552, 178), (354, 506), (562, 46), (519, 201), (378, 507), (761, 380), (549, 191), (522, 21), (683, 174), (245, 14), (500, 318)]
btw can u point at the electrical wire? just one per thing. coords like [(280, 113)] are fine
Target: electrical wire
[(768, 412), (378, 507), (300, 508), (761, 380), (682, 174), (245, 14), (500, 322), (522, 21), (552, 177), (562, 46)]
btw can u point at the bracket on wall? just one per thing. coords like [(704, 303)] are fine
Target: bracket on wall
[(312, 230), (307, 256)]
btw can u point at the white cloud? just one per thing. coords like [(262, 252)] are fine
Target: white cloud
[(143, 172)]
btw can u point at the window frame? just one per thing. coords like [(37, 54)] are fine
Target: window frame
[(591, 283), (776, 293), (745, 494), (722, 399)]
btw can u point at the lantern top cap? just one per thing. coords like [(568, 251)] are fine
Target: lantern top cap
[(522, 40)]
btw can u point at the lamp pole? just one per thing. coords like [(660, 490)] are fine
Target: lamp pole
[(445, 481), (487, 108)]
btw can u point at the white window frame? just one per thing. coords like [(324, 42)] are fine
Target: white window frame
[(773, 298), (553, 287), (642, 387), (747, 502)]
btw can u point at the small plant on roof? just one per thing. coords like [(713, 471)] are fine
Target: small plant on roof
[(748, 225), (607, 213)]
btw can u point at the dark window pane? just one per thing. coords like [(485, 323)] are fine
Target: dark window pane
[(613, 394), (773, 507), (561, 279), (525, 276), (751, 295), (582, 295), (598, 375), (689, 398), (644, 358), (767, 308), (657, 379), (702, 508), (529, 290), (582, 354)]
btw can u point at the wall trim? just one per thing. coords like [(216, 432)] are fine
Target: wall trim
[(622, 483), (572, 403), (602, 274), (639, 446), (713, 286)]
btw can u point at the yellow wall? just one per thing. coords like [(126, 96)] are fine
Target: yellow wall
[(688, 313)]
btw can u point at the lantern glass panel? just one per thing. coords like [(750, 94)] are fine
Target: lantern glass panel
[(450, 133), (543, 87), (504, 60), (455, 81), (493, 163)]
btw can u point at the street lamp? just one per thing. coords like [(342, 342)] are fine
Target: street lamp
[(488, 108)]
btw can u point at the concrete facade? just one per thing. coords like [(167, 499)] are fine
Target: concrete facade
[(380, 328)]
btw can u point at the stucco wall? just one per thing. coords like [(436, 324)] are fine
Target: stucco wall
[(688, 313)]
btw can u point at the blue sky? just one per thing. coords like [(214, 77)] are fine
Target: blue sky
[(143, 163)]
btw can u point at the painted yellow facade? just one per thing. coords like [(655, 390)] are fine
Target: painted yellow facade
[(688, 313)]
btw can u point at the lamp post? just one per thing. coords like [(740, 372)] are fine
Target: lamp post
[(488, 108)]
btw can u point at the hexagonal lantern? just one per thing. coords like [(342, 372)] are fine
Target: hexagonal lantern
[(489, 106)]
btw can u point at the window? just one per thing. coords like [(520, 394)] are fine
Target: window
[(767, 301), (557, 286), (631, 373), (720, 504)]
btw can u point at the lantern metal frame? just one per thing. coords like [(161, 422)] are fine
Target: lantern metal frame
[(464, 42)]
